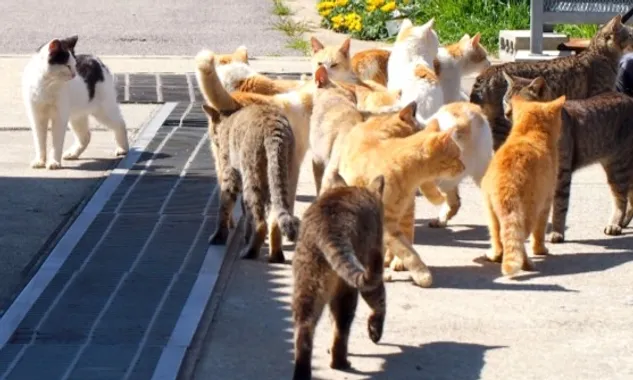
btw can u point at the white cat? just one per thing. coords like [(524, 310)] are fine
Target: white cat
[(413, 68), (59, 86), (418, 44), (465, 57)]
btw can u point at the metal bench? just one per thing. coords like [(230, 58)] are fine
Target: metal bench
[(570, 12)]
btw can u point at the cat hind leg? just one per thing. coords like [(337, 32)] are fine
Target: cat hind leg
[(110, 116), (81, 130)]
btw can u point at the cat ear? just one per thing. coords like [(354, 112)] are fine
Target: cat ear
[(345, 47), (241, 54), (54, 45), (336, 180), (407, 114), (616, 23), (378, 185), (475, 40), (70, 42), (212, 112), (465, 38), (557, 104), (405, 27), (429, 24), (321, 77), (316, 45), (508, 78), (538, 86)]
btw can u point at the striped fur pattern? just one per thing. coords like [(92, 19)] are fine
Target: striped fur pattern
[(577, 77), (594, 130), (339, 254)]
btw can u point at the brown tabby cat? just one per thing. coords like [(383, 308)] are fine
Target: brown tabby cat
[(339, 254), (254, 147), (597, 129), (577, 76), (518, 186), (392, 145)]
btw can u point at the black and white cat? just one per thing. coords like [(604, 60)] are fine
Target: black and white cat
[(59, 86)]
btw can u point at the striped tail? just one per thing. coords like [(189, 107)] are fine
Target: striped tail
[(513, 238)]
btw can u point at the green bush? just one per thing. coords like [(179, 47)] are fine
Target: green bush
[(366, 19)]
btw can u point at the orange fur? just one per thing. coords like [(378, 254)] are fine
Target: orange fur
[(518, 186), (239, 55), (392, 145), (263, 85), (375, 101), (371, 65), (423, 72)]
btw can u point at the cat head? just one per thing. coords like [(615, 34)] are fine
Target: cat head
[(614, 38), (529, 89), (537, 115), (468, 121), (421, 40), (335, 59), (442, 151), (376, 186), (59, 56), (239, 55), (470, 54)]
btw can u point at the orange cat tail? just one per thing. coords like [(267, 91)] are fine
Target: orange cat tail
[(214, 93), (513, 238)]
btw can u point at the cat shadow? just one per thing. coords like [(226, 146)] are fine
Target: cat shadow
[(435, 360), (305, 198), (455, 235)]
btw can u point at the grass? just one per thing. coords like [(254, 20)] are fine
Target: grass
[(294, 30)]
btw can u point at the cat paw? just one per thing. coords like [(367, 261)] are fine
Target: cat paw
[(613, 230), (341, 363), (511, 267), (249, 253), (276, 257), (72, 154), (375, 325), (397, 265), (38, 164), (53, 165), (528, 265), (437, 223), (494, 255), (556, 237), (422, 278), (540, 251), (219, 237), (119, 152)]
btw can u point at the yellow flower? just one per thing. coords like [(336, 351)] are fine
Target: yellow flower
[(325, 13), (325, 5), (341, 3), (371, 8), (337, 21), (390, 6), (375, 3), (405, 2)]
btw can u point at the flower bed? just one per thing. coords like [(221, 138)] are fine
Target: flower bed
[(363, 19)]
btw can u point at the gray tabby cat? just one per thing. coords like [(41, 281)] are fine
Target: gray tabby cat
[(597, 129), (252, 147), (578, 76), (339, 254)]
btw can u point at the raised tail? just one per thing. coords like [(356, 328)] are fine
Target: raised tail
[(279, 149), (344, 262), (512, 230), (210, 85)]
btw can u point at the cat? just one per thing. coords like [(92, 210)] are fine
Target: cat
[(254, 146), (518, 186), (339, 254), (594, 130), (472, 132), (239, 55), (296, 106), (424, 88), (59, 86), (368, 100), (578, 76), (414, 45), (393, 145), (334, 113), (336, 60), (371, 64), (462, 58)]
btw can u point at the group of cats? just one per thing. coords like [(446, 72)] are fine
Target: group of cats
[(380, 126)]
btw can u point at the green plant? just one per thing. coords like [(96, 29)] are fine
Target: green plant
[(367, 19)]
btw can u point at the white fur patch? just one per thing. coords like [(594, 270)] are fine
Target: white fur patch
[(231, 74)]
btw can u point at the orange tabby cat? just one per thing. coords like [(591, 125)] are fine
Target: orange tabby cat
[(377, 101), (239, 55), (371, 64), (392, 145), (519, 184)]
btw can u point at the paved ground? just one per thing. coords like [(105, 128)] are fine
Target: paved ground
[(143, 27)]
